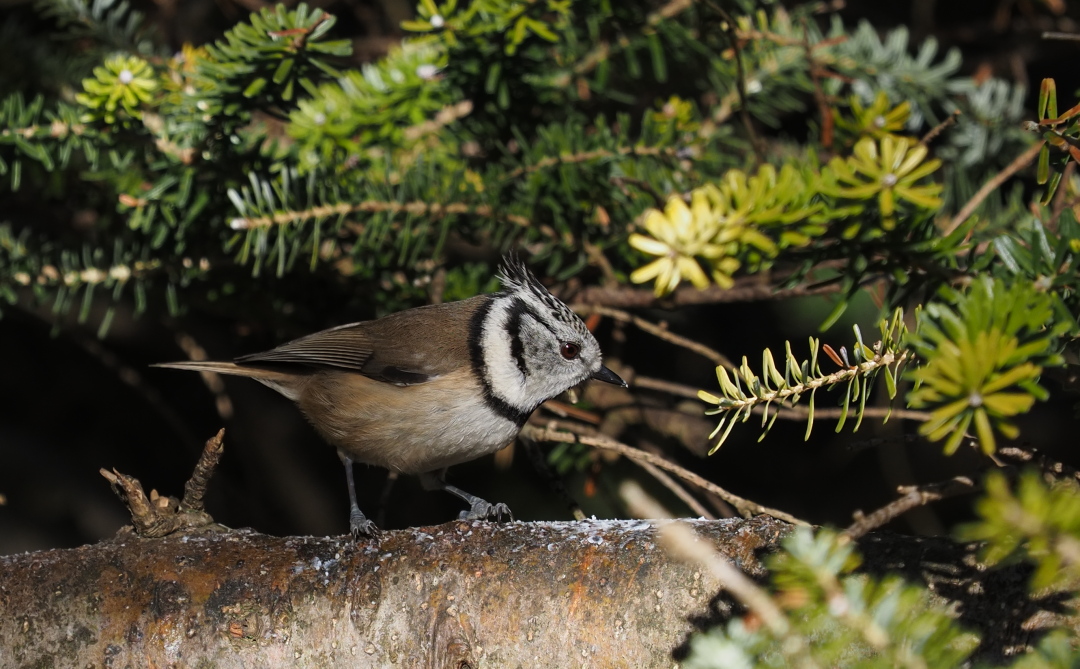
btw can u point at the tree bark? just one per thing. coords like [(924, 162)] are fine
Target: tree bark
[(464, 594)]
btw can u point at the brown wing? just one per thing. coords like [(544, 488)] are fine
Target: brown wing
[(408, 347)]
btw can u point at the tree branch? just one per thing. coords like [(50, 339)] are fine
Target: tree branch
[(552, 432), (911, 497)]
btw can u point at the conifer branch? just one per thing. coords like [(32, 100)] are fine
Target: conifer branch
[(50, 275), (773, 388), (556, 431), (586, 156), (415, 208), (793, 392)]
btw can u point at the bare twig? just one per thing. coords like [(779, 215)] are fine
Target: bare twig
[(801, 412), (819, 93), (585, 156), (1061, 202), (213, 381), (195, 488), (565, 433), (158, 516), (443, 118), (596, 255), (658, 331), (416, 208), (669, 387), (940, 128), (911, 497), (679, 491), (1019, 163), (1071, 37), (1057, 470), (731, 30), (539, 462), (682, 542), (746, 289), (567, 410), (641, 184)]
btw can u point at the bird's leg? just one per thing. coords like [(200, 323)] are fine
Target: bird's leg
[(358, 522), (479, 509)]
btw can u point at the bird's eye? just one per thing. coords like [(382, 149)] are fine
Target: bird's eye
[(569, 350)]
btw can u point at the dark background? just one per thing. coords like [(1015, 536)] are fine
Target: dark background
[(70, 404)]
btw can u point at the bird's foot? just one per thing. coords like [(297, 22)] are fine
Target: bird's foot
[(361, 526), (483, 510)]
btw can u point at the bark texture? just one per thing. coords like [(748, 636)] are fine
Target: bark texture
[(464, 594)]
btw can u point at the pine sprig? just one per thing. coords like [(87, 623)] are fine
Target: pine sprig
[(269, 61), (49, 137), (377, 106), (854, 620), (982, 352), (112, 24), (1032, 521), (71, 279), (744, 391), (887, 64)]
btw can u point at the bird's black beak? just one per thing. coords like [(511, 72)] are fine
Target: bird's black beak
[(607, 376)]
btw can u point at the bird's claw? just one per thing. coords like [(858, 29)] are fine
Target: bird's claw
[(482, 510), (360, 526)]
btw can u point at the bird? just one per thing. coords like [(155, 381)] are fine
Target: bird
[(420, 390)]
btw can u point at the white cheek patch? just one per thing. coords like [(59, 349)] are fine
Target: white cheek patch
[(503, 375)]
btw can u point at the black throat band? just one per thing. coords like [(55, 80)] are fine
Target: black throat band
[(479, 366)]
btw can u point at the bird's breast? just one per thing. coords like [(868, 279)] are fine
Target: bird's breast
[(409, 429)]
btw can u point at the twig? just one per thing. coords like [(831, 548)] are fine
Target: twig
[(682, 542), (156, 516), (1049, 34), (596, 255), (716, 357), (731, 31), (797, 412), (641, 184), (1056, 469), (536, 457), (585, 156), (416, 208), (1019, 163), (133, 378), (819, 93), (212, 380), (1060, 203), (443, 118), (195, 488), (940, 128), (894, 359), (679, 491), (746, 289), (669, 387), (563, 433), (722, 508), (565, 410), (911, 497), (878, 442), (800, 412)]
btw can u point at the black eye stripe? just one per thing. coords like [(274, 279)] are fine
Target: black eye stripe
[(518, 308)]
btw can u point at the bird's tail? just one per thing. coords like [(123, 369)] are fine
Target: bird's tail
[(206, 366), (284, 382)]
